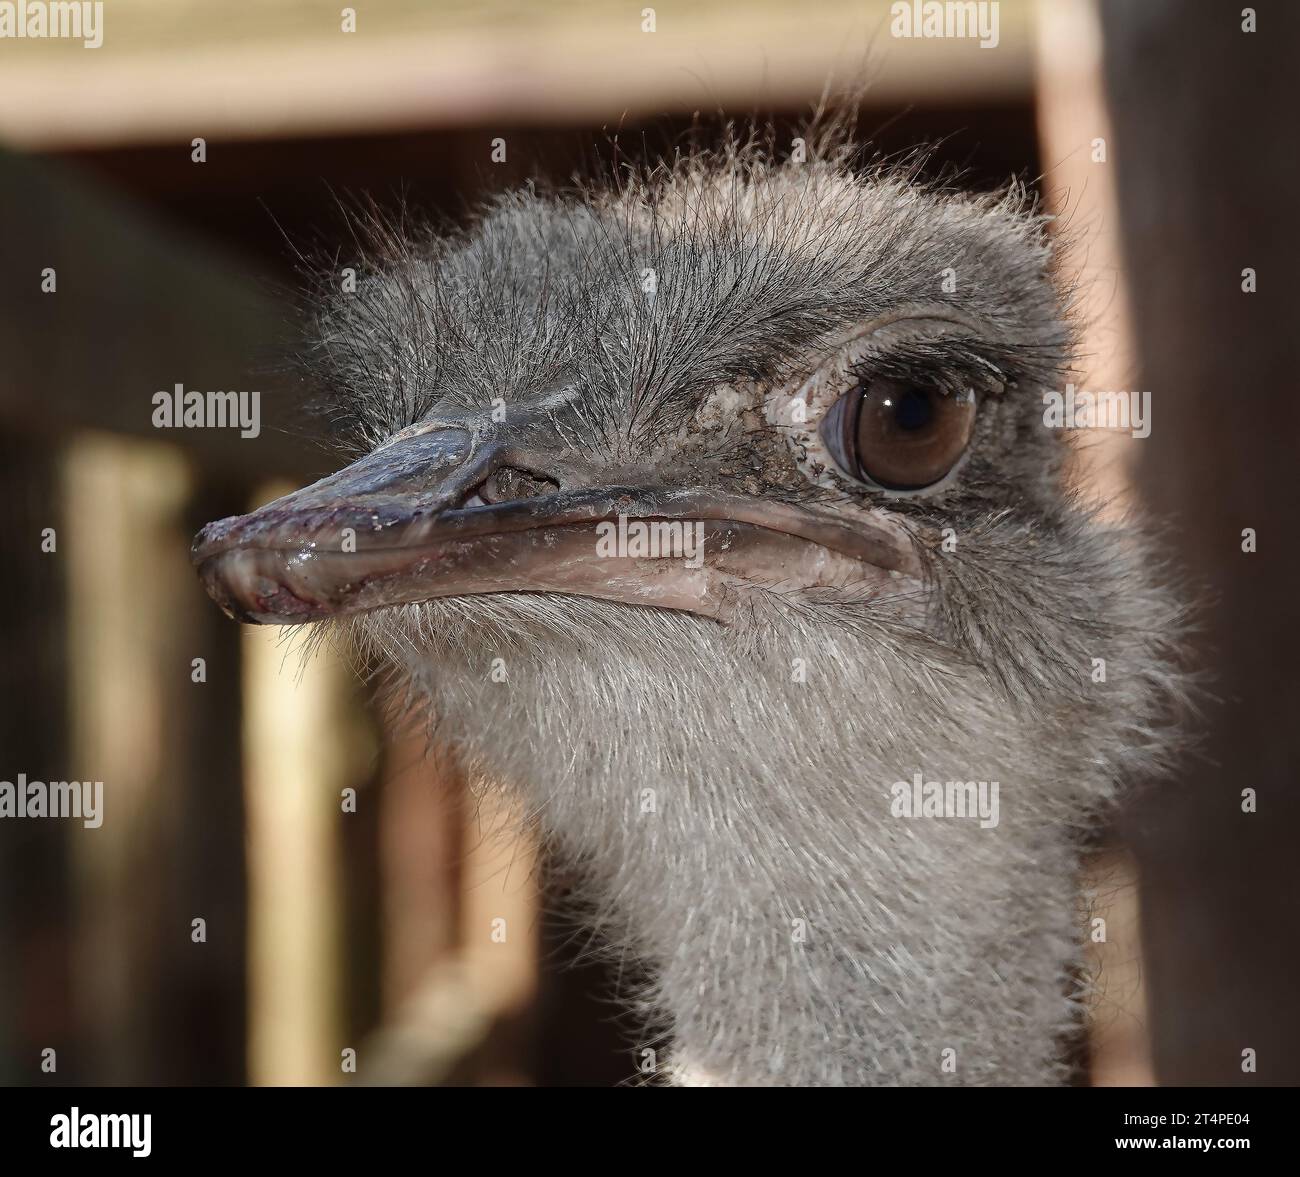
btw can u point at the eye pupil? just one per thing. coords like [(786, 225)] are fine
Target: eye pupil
[(912, 410)]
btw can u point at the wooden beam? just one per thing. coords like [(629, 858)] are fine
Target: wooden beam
[(255, 70)]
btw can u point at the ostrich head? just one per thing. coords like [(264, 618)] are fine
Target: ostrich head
[(715, 513)]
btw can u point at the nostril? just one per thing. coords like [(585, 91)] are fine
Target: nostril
[(509, 483)]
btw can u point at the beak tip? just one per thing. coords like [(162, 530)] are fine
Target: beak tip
[(244, 593)]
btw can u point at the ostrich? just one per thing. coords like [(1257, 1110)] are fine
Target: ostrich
[(828, 782)]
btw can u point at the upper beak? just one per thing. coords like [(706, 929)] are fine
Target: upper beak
[(394, 527)]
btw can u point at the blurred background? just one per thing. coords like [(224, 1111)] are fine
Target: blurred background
[(348, 889)]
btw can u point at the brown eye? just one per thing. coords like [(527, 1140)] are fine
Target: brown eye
[(898, 435)]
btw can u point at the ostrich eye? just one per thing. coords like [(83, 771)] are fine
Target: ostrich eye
[(898, 435)]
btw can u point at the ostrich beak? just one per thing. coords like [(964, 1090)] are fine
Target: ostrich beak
[(405, 524)]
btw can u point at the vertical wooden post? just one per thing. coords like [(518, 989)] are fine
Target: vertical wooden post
[(161, 997), (1201, 110)]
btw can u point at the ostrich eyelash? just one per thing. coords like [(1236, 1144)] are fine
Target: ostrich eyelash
[(950, 364)]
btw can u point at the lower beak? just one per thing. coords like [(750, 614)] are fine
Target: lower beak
[(395, 528)]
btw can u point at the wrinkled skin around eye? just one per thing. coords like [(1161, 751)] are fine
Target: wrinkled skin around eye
[(898, 435)]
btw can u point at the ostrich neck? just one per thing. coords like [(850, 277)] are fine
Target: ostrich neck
[(741, 836), (818, 943)]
